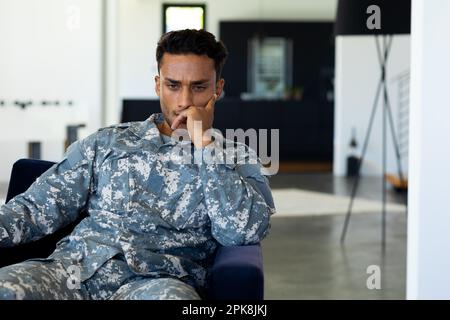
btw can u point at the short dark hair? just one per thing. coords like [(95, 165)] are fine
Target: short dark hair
[(199, 42)]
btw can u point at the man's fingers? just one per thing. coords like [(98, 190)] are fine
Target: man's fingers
[(178, 120), (184, 114), (211, 102)]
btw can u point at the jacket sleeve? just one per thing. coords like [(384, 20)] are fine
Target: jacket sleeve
[(237, 197), (54, 200)]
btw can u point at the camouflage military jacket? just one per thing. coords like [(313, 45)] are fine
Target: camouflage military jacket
[(164, 217)]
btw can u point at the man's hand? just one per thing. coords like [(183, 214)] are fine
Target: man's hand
[(196, 130)]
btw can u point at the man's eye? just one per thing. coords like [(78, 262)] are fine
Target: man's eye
[(172, 86), (199, 88)]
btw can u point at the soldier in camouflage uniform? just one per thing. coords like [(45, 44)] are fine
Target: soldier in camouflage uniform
[(153, 221)]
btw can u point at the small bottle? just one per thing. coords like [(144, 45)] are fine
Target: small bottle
[(352, 159)]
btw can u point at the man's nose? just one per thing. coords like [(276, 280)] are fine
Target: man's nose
[(185, 99)]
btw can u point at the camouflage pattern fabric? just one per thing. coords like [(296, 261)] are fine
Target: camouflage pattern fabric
[(165, 217)]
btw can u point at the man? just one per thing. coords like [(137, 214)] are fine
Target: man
[(153, 221)]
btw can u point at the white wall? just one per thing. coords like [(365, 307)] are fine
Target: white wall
[(357, 76), (140, 28), (428, 262), (45, 55)]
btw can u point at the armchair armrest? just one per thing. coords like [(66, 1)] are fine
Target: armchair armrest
[(23, 174), (237, 274)]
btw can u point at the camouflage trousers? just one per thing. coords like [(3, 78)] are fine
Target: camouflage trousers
[(48, 280)]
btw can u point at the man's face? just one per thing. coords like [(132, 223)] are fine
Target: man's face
[(185, 80)]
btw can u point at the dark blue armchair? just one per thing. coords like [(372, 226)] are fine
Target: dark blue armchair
[(237, 272)]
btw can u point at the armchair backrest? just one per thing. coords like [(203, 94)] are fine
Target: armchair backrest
[(23, 174)]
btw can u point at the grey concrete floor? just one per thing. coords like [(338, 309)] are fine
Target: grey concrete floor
[(303, 256)]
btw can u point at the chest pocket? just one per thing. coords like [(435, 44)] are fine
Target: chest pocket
[(113, 185), (178, 192)]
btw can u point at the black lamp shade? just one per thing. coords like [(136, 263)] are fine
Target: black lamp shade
[(351, 17)]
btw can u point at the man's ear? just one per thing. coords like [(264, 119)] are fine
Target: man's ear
[(157, 85), (219, 87)]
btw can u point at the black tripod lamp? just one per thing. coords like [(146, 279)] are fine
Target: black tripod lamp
[(381, 19)]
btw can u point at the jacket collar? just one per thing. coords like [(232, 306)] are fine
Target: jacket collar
[(149, 131)]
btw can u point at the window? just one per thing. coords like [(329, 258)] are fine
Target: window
[(270, 67), (183, 16)]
